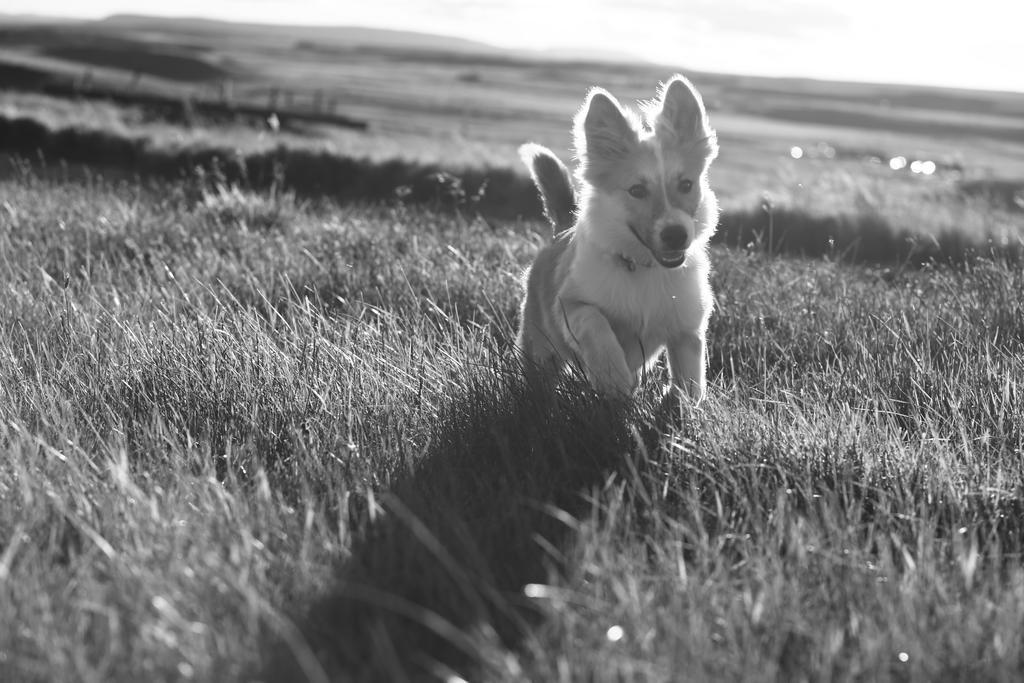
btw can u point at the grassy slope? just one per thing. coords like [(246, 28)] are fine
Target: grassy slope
[(243, 433)]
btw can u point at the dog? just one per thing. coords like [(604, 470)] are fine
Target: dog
[(626, 274)]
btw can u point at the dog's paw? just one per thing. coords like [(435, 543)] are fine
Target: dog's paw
[(696, 392), (689, 395), (691, 390), (677, 406)]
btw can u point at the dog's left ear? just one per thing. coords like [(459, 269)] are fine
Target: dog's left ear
[(679, 111)]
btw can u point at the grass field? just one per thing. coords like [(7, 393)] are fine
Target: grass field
[(251, 436), (269, 427)]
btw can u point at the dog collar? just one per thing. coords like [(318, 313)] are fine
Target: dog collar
[(631, 263)]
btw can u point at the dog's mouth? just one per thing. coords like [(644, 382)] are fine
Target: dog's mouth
[(672, 259), (666, 259)]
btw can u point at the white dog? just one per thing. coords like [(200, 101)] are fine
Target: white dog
[(630, 278)]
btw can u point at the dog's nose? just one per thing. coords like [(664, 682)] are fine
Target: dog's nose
[(674, 237)]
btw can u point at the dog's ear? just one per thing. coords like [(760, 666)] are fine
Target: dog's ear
[(555, 184), (678, 111), (603, 131)]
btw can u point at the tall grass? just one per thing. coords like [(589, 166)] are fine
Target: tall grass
[(254, 435)]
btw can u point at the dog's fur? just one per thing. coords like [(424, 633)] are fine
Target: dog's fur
[(630, 278)]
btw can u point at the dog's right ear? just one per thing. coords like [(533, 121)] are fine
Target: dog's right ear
[(678, 111), (603, 131), (553, 180)]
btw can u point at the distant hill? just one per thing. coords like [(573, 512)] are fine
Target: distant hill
[(178, 54), (178, 29), (28, 20), (347, 36)]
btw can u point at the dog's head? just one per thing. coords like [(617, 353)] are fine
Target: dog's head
[(645, 179)]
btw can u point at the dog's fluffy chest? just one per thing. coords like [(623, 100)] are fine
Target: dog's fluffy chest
[(648, 303)]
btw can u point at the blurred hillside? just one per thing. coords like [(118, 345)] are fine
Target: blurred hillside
[(399, 82)]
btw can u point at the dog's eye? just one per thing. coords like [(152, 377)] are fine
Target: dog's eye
[(639, 191), (685, 185)]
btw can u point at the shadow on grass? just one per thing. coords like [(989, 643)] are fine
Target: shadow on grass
[(435, 584)]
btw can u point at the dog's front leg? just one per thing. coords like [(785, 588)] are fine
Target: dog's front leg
[(686, 359), (592, 338)]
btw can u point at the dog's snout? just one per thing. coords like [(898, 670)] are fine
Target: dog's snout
[(675, 237)]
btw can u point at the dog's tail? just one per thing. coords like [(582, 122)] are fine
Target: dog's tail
[(553, 180)]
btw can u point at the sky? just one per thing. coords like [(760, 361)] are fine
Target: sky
[(975, 44)]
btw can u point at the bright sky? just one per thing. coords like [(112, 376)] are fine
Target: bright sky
[(974, 44)]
